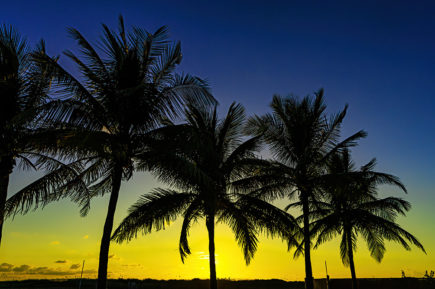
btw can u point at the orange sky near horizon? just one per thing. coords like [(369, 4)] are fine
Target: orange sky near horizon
[(53, 242)]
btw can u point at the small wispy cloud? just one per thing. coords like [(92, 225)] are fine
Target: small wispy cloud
[(55, 243), (204, 257), (114, 257), (86, 237), (60, 261), (74, 266)]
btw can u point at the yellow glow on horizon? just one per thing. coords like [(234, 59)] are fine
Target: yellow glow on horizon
[(156, 256), (39, 239)]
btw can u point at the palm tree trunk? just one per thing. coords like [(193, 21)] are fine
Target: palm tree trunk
[(211, 251), (4, 183), (351, 262), (108, 226), (309, 283), (6, 167)]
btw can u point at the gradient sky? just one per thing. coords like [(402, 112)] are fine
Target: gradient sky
[(376, 56)]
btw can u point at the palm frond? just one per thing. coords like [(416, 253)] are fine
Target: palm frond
[(192, 213), (185, 88), (152, 212), (242, 228), (269, 219), (61, 182)]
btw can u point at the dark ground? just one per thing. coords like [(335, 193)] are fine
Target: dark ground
[(152, 284), (381, 283)]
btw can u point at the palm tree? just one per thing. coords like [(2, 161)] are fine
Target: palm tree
[(301, 138), (206, 157), (104, 120), (25, 103), (350, 206)]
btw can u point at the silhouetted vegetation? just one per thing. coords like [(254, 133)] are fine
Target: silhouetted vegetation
[(106, 119), (25, 108), (384, 283), (349, 206), (301, 138), (153, 284), (203, 157), (121, 115)]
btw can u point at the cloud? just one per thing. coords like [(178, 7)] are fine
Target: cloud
[(5, 267), (86, 237), (55, 243), (89, 271), (74, 266), (204, 257), (60, 261), (114, 257), (22, 268), (47, 271), (131, 265)]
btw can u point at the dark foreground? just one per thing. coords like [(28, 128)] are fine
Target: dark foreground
[(152, 284), (396, 283)]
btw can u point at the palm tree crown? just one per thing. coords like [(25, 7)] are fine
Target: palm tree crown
[(105, 117), (350, 206), (23, 89), (207, 155), (301, 138)]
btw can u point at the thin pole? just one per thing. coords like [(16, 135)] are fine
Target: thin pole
[(327, 276), (81, 275)]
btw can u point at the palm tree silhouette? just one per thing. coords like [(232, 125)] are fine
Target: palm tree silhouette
[(206, 156), (350, 206), (104, 121), (301, 138), (25, 107)]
